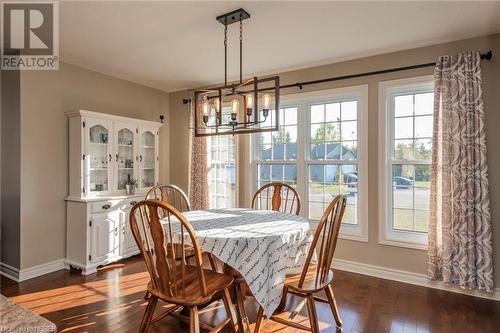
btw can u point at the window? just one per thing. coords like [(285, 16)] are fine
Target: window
[(222, 171), (333, 163), (320, 149), (277, 151), (405, 167)]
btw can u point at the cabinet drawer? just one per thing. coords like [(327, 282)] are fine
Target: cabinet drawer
[(104, 206), (129, 203)]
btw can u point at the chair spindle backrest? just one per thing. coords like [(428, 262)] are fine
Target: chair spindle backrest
[(170, 194), (325, 239), (277, 196), (157, 227)]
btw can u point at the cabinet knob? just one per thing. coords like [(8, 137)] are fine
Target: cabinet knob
[(110, 157), (132, 203), (106, 206), (140, 158), (116, 158)]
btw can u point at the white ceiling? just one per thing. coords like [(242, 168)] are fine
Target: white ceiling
[(178, 45)]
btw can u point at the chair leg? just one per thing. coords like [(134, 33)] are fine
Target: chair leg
[(243, 324), (313, 317), (228, 304), (333, 305), (147, 295), (194, 322), (148, 314), (282, 304), (258, 321)]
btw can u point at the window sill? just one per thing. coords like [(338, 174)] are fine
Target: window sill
[(358, 238), (399, 242)]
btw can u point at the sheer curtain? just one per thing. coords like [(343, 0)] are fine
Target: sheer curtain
[(460, 245), (198, 175)]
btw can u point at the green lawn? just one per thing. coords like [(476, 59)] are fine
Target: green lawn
[(422, 184), (403, 220)]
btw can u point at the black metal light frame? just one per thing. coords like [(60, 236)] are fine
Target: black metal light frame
[(243, 88), (250, 86)]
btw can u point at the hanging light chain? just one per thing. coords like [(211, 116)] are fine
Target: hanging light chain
[(241, 50), (225, 54)]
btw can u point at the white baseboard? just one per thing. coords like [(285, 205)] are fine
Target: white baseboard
[(408, 277), (31, 272)]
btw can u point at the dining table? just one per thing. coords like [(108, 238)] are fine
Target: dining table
[(262, 245)]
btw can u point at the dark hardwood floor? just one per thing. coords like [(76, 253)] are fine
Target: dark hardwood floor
[(112, 301)]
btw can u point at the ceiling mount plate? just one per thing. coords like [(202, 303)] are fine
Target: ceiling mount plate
[(234, 16)]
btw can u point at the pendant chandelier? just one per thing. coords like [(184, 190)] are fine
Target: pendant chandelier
[(249, 106)]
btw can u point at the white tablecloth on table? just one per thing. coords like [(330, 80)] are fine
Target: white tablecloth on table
[(263, 246)]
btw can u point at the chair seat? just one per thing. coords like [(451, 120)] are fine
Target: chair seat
[(193, 293), (311, 284)]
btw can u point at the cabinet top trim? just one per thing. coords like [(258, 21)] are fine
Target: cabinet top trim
[(107, 116), (104, 198)]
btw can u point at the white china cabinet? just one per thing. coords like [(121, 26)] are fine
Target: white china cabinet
[(105, 152)]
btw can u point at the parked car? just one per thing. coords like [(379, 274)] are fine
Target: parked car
[(402, 182), (351, 179)]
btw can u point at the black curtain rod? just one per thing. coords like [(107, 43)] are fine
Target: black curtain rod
[(484, 56)]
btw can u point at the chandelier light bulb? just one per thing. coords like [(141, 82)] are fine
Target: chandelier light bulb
[(217, 104), (249, 101), (235, 105), (266, 99), (206, 108)]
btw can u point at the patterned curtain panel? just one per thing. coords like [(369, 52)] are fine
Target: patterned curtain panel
[(460, 246), (198, 176)]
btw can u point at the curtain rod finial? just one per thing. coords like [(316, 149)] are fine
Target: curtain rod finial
[(487, 56)]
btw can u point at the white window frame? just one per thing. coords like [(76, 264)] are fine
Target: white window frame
[(387, 234), (303, 101), (236, 168)]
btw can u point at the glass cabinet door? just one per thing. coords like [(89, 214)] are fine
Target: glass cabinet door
[(124, 156), (147, 159), (98, 151)]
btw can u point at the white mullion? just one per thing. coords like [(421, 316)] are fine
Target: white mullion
[(303, 125), (412, 162), (287, 162), (336, 162)]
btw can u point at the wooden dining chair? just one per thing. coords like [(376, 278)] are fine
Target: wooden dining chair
[(277, 196), (175, 281), (171, 194), (175, 196), (315, 277)]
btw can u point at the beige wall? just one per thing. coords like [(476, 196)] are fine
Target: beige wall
[(372, 252), (179, 140), (10, 174), (45, 96)]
